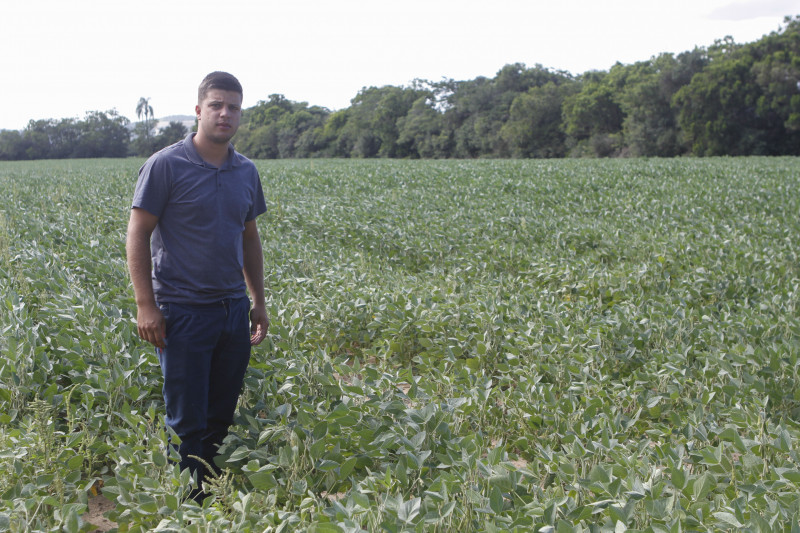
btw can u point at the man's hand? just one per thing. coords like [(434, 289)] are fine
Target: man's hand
[(151, 324), (259, 324), (253, 270)]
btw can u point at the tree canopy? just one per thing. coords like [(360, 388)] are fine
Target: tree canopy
[(726, 99)]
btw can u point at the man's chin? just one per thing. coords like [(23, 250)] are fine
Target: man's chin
[(220, 138)]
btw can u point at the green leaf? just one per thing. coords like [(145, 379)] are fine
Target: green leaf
[(72, 523), (418, 439), (326, 465), (44, 480), (347, 467), (496, 500), (792, 475), (242, 452), (728, 518), (361, 500), (599, 474), (703, 486), (325, 527), (757, 523), (678, 477), (409, 510), (75, 462), (401, 470), (564, 526), (262, 480), (317, 450), (448, 509), (320, 430), (172, 502)]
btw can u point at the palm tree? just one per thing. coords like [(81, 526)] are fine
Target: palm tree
[(144, 108)]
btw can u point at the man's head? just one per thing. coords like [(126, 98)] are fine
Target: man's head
[(218, 80), (219, 107)]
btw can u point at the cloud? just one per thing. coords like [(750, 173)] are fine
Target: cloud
[(752, 9)]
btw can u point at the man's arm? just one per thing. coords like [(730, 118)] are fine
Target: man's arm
[(254, 277), (149, 319)]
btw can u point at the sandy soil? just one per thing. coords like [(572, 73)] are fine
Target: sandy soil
[(98, 506)]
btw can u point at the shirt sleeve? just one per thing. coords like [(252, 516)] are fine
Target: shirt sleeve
[(152, 187), (259, 205)]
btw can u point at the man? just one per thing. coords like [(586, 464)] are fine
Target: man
[(193, 248)]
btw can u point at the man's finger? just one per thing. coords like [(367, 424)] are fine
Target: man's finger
[(156, 338), (256, 337), (258, 333)]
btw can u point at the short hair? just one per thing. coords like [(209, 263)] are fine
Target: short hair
[(218, 80)]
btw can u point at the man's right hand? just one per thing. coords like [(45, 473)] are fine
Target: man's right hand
[(151, 324)]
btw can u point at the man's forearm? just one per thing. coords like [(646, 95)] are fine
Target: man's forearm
[(149, 319), (138, 252), (254, 270)]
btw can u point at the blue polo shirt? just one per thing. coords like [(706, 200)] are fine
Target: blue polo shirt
[(196, 247)]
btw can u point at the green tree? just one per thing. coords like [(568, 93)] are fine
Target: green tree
[(12, 145), (268, 111), (650, 126), (64, 137), (279, 128), (36, 139), (776, 72), (476, 110), (421, 130), (174, 132), (99, 134), (338, 137), (534, 125), (372, 128), (716, 113), (102, 134), (593, 116), (746, 101)]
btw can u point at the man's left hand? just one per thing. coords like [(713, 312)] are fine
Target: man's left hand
[(259, 324)]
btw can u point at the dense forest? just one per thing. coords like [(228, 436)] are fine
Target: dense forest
[(724, 99)]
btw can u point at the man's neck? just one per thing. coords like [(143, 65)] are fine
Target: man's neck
[(211, 152)]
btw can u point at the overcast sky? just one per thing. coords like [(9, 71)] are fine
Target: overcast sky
[(61, 58)]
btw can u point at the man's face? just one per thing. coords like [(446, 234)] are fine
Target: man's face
[(218, 115)]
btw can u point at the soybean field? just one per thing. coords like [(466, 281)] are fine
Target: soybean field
[(485, 345)]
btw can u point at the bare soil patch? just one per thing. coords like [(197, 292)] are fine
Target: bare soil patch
[(99, 505)]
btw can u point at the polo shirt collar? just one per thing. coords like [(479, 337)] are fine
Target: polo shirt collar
[(234, 160)]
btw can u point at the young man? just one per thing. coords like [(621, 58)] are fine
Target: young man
[(193, 248)]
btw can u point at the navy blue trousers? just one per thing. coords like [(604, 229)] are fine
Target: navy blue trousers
[(203, 364)]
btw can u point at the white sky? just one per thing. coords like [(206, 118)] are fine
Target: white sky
[(61, 58)]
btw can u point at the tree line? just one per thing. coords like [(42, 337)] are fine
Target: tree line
[(724, 99), (98, 134)]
